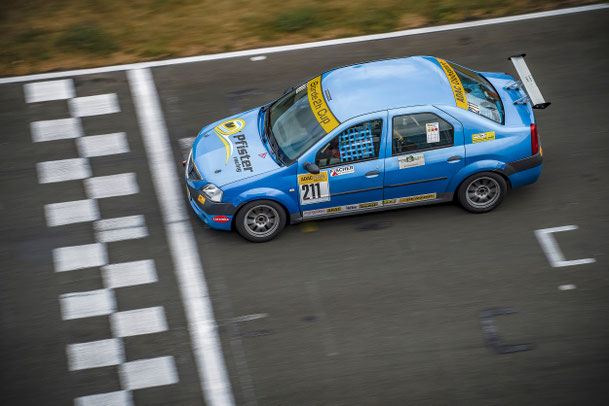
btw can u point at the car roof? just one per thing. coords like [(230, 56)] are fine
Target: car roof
[(382, 85)]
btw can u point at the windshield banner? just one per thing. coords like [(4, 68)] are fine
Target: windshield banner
[(321, 111), (455, 84)]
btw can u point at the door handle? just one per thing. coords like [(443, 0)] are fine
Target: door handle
[(455, 158), (372, 174)]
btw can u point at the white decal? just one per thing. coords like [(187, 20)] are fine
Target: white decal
[(408, 161), (314, 188), (342, 170), (433, 132)]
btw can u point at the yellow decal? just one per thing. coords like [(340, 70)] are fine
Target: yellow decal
[(489, 136), (390, 201), (371, 204), (201, 199), (223, 130), (417, 198), (320, 109), (540, 151), (455, 84), (333, 209), (311, 178)]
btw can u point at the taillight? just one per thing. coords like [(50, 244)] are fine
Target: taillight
[(534, 140)]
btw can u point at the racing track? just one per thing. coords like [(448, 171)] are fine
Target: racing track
[(399, 307)]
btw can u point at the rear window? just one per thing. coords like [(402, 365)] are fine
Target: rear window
[(481, 95)]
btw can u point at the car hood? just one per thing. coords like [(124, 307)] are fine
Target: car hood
[(231, 150)]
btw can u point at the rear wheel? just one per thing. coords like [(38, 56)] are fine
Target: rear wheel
[(260, 221), (482, 192)]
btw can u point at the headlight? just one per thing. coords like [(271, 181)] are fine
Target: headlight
[(192, 173), (213, 192)]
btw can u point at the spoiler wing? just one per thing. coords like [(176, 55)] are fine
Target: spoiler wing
[(526, 79)]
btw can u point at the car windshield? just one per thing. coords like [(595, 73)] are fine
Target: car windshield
[(481, 95), (293, 124)]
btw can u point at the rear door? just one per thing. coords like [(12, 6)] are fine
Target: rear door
[(424, 152)]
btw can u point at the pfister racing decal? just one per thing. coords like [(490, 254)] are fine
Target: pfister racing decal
[(225, 130), (487, 136), (314, 188), (342, 170), (320, 108), (368, 205)]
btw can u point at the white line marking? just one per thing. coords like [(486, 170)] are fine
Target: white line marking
[(129, 274), (120, 228), (112, 185), (249, 317), (186, 145), (566, 287), (551, 249), (102, 145), (137, 322), (146, 373), (78, 211), (63, 170), (59, 129), (94, 105), (120, 398), (193, 287), (79, 257), (80, 305), (258, 58), (52, 90), (309, 45), (95, 354)]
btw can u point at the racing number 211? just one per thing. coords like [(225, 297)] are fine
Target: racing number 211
[(311, 191)]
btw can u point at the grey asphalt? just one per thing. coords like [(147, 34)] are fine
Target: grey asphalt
[(378, 309)]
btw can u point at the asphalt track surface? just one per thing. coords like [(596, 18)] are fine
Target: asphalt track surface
[(379, 309)]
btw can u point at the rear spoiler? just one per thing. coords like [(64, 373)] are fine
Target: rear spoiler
[(533, 94)]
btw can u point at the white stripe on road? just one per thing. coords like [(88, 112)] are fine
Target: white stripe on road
[(120, 398), (80, 305), (113, 185), (120, 228), (102, 145), (550, 247), (63, 170), (129, 274), (146, 373), (191, 280), (308, 45), (46, 91), (59, 129), (137, 322), (77, 211), (95, 354), (79, 257), (94, 105)]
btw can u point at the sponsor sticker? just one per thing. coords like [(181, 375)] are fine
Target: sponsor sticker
[(343, 170), (351, 207), (488, 136), (201, 199), (455, 84), (314, 188), (310, 213), (433, 132), (263, 155), (366, 205), (408, 161), (221, 219), (334, 209), (390, 201), (418, 198), (320, 108)]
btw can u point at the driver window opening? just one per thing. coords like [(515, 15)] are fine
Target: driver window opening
[(357, 143)]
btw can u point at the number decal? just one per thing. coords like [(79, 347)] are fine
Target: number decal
[(314, 188)]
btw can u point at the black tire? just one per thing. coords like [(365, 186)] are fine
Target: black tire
[(482, 192), (260, 220)]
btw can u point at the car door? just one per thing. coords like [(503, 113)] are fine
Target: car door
[(424, 151), (351, 163)]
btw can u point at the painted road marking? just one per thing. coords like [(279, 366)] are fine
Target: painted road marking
[(552, 250), (110, 186), (95, 354), (51, 90), (93, 303), (258, 58), (129, 274), (567, 287), (120, 228), (308, 45), (119, 398), (94, 105), (137, 322), (79, 257), (146, 373), (77, 211), (186, 145), (51, 130), (63, 170), (102, 145), (189, 272)]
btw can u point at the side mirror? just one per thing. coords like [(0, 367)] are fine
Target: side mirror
[(311, 168)]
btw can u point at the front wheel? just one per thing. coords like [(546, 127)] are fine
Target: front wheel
[(260, 221), (482, 192)]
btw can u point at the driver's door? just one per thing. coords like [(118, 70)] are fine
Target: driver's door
[(351, 163)]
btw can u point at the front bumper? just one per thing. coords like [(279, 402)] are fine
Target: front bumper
[(215, 215)]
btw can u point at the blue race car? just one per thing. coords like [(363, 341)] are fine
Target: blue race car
[(371, 136)]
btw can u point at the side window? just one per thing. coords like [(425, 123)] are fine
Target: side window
[(357, 143), (417, 132)]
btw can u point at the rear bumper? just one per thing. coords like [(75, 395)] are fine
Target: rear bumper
[(215, 215), (524, 171)]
